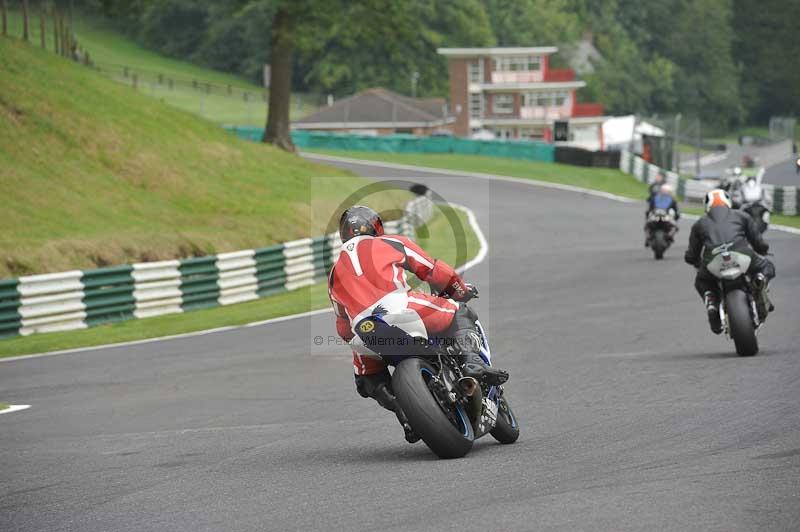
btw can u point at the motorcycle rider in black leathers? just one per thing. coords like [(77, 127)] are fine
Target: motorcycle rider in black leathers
[(722, 225)]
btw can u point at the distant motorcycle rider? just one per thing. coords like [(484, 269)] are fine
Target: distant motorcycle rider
[(722, 225), (369, 279), (662, 199)]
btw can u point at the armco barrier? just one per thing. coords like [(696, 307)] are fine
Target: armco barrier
[(78, 299), (535, 151), (785, 200)]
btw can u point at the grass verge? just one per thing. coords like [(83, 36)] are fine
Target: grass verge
[(605, 179), (4, 406), (438, 238), (93, 174)]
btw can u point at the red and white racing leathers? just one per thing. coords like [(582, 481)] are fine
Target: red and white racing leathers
[(370, 271)]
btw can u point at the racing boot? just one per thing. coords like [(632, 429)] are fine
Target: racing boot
[(712, 308), (763, 304), (388, 401), (468, 344), (378, 387)]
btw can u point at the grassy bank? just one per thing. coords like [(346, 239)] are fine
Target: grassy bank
[(606, 179), (115, 55), (95, 174), (437, 237)]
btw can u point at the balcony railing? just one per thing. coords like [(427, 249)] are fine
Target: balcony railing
[(545, 112), (534, 76)]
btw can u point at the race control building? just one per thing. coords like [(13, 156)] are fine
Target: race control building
[(514, 93)]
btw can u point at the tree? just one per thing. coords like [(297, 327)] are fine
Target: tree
[(280, 89)]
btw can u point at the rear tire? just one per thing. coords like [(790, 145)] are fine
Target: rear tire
[(659, 244), (506, 430), (425, 414), (740, 322)]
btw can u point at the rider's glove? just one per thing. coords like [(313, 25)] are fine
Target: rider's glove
[(471, 292)]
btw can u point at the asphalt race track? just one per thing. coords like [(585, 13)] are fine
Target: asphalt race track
[(634, 416)]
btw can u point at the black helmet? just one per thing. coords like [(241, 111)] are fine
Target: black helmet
[(359, 220)]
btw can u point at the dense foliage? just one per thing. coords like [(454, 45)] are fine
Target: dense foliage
[(730, 61)]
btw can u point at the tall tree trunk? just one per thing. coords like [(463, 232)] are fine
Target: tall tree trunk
[(277, 130)]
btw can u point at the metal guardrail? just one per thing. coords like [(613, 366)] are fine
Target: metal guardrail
[(785, 200), (78, 299)]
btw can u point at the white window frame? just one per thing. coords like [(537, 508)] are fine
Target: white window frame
[(471, 71), (518, 63), (508, 106), (476, 111)]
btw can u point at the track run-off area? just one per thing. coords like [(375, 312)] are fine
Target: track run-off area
[(633, 415)]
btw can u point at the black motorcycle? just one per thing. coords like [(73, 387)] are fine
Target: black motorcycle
[(448, 410), (743, 309), (660, 228)]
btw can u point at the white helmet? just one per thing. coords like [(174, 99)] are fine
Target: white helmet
[(737, 171), (717, 198), (666, 189)]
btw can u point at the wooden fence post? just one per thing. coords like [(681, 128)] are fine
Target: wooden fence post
[(42, 32), (25, 20), (55, 30), (4, 9), (62, 33)]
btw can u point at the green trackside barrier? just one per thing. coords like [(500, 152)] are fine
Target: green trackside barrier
[(199, 288), (270, 272), (534, 151), (10, 319), (108, 294)]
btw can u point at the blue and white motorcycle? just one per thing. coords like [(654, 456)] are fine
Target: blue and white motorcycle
[(448, 410)]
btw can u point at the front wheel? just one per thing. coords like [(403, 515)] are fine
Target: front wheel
[(445, 428), (506, 430), (741, 323)]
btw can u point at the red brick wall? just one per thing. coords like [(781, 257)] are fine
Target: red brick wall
[(459, 94)]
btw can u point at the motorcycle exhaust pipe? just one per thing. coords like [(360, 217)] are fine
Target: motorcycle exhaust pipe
[(472, 390), (468, 386)]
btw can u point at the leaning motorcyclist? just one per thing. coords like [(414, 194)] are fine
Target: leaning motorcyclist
[(662, 199), (723, 225), (369, 279)]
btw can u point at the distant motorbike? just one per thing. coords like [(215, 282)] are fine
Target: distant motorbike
[(759, 213), (752, 200), (740, 312), (446, 409), (660, 228)]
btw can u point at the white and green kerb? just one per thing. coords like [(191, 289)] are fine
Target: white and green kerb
[(79, 299)]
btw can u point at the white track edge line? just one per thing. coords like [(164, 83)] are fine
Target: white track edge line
[(14, 408), (473, 222)]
